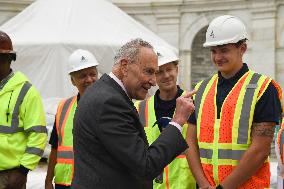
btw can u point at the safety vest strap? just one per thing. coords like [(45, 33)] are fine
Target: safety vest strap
[(142, 113), (14, 128), (64, 112), (246, 109), (199, 95)]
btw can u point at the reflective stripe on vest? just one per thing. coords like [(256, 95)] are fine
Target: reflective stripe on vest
[(64, 124), (65, 155), (246, 109), (177, 173), (143, 112), (222, 153), (14, 128), (222, 142), (35, 151)]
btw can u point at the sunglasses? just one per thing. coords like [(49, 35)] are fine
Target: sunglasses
[(7, 57)]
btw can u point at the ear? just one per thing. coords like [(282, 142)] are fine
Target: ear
[(177, 68), (72, 80), (243, 48), (124, 67)]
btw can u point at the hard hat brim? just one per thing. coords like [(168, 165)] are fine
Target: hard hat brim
[(224, 42), (93, 64), (168, 61)]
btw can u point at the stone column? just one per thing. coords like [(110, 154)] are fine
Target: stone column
[(185, 69), (262, 37), (168, 21)]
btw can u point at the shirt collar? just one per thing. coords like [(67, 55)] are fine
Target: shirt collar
[(233, 80), (118, 81)]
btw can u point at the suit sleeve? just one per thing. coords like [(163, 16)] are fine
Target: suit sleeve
[(120, 132), (33, 117)]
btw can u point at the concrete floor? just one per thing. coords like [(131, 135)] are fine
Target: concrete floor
[(36, 177)]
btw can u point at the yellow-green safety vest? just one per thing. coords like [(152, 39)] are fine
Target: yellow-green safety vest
[(177, 174), (23, 131)]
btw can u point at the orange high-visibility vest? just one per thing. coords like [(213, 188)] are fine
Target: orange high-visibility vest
[(64, 168), (222, 142)]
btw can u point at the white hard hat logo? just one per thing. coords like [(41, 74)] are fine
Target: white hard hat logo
[(212, 34), (83, 59)]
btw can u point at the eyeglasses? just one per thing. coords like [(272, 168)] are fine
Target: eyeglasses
[(162, 122)]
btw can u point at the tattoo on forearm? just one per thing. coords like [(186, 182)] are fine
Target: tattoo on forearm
[(264, 132), (265, 129)]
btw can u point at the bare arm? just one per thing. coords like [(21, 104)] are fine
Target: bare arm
[(193, 158), (253, 158), (50, 169)]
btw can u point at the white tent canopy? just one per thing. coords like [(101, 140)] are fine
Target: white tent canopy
[(46, 33)]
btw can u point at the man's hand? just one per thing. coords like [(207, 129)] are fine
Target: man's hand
[(16, 179), (184, 108), (48, 185)]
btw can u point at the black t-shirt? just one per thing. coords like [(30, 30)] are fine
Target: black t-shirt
[(267, 109), (53, 141), (165, 108)]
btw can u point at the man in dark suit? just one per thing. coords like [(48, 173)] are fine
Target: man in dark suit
[(110, 146)]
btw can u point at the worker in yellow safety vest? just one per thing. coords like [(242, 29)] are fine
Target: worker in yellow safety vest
[(230, 134), (23, 131), (279, 147), (157, 111), (83, 72)]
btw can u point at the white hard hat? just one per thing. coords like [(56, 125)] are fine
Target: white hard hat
[(165, 55), (81, 59), (224, 30)]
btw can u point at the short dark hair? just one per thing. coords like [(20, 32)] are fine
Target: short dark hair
[(239, 43)]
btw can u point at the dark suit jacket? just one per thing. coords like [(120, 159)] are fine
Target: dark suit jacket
[(110, 145)]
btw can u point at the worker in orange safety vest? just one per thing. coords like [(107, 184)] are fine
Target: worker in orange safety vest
[(236, 110), (83, 72)]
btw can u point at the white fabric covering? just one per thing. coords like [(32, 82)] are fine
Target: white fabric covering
[(46, 33)]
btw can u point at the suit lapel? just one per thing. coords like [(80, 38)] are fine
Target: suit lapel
[(118, 88)]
